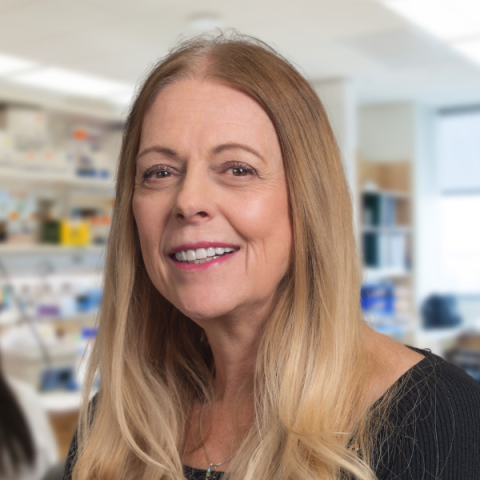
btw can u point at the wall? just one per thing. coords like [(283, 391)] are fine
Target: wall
[(339, 100)]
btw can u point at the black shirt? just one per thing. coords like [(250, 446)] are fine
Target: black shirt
[(436, 422)]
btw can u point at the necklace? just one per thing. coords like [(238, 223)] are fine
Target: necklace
[(209, 471)]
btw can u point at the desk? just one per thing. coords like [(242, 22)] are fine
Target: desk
[(62, 409)]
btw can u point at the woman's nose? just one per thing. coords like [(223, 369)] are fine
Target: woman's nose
[(194, 202)]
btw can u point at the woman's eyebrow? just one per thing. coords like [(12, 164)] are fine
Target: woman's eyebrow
[(167, 152), (237, 146)]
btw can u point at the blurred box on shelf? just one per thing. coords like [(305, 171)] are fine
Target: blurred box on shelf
[(30, 365), (466, 353), (27, 126), (18, 217), (33, 353), (440, 311), (6, 149), (378, 298), (74, 232), (99, 228), (386, 306), (86, 150)]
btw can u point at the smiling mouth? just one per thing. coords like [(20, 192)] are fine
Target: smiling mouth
[(202, 255)]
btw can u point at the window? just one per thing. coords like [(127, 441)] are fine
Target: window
[(458, 150)]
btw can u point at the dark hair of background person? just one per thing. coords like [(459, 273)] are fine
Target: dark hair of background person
[(16, 441)]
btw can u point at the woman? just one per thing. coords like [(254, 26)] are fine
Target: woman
[(231, 337)]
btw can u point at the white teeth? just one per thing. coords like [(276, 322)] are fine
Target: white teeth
[(201, 253)]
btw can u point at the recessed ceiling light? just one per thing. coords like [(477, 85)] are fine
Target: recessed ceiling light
[(205, 21), (70, 82), (10, 64)]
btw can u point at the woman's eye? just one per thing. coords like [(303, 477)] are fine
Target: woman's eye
[(239, 172), (238, 169), (157, 174), (161, 174)]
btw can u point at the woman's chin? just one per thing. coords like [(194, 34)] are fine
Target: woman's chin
[(202, 310)]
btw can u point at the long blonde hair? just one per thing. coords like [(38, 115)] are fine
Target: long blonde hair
[(311, 385)]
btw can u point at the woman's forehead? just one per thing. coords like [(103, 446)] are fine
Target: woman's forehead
[(206, 108)]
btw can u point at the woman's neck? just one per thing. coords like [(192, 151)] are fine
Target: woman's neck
[(234, 343)]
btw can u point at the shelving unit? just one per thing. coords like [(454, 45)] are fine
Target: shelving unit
[(385, 217), (47, 174), (384, 206), (43, 249), (56, 164), (26, 176)]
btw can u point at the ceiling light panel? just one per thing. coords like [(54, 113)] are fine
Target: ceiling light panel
[(10, 65), (446, 19), (70, 83)]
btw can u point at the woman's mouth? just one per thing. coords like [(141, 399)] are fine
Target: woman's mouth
[(201, 255)]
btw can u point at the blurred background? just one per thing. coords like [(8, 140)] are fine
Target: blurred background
[(400, 80)]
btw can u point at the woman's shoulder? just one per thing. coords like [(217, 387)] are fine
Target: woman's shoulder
[(435, 391), (435, 379), (435, 423)]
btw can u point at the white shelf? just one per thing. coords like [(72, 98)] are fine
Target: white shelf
[(385, 273), (391, 229), (46, 177), (14, 249), (391, 193)]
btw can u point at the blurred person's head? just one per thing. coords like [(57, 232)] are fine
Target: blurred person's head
[(17, 448), (295, 253)]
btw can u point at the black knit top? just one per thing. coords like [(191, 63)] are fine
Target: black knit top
[(435, 425)]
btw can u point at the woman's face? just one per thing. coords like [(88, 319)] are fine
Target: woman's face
[(211, 202)]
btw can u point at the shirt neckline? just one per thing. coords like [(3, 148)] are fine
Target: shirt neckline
[(425, 352)]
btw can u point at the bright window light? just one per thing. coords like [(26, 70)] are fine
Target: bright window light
[(457, 147), (446, 19), (456, 21), (70, 83), (9, 65), (460, 240), (470, 49)]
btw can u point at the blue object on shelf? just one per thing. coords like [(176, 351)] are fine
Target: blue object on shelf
[(88, 333), (62, 378), (378, 298), (440, 311), (390, 330), (89, 301)]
